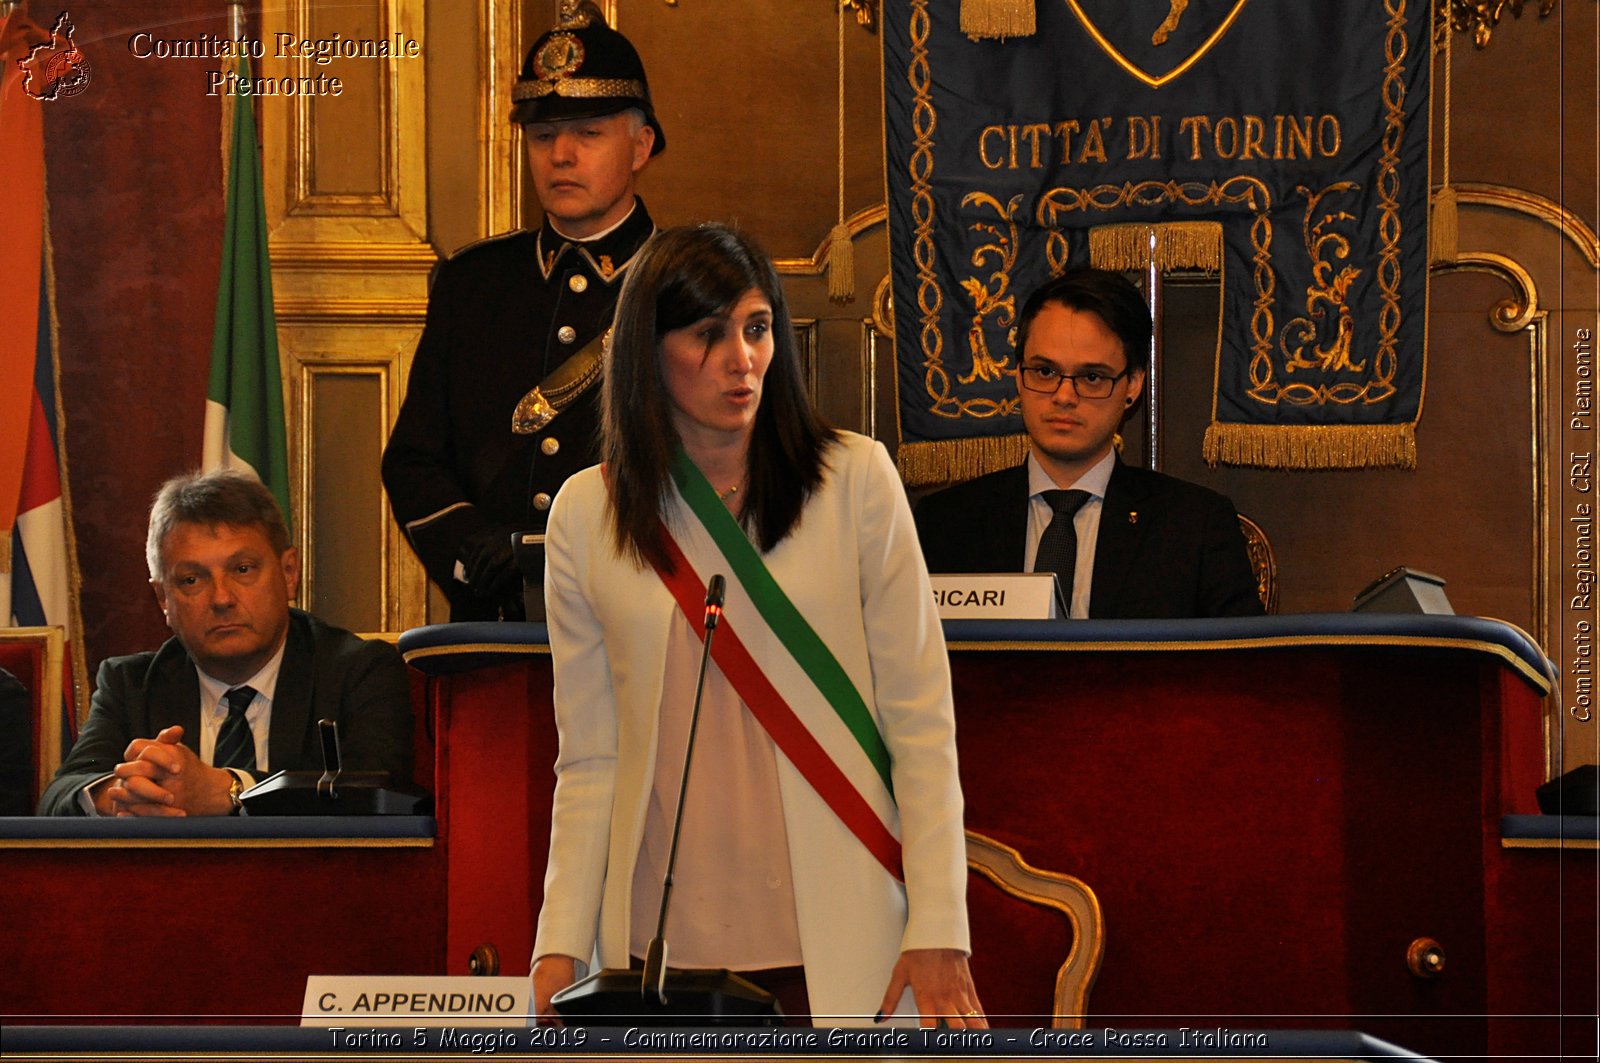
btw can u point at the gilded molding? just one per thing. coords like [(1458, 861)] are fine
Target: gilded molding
[(867, 351), (351, 311), (865, 11), (882, 318), (312, 368), (500, 173), (398, 205), (1518, 310), (1547, 211), (353, 256), (858, 223)]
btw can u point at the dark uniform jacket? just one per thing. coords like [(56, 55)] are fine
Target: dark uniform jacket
[(1166, 548), (326, 673), (503, 314)]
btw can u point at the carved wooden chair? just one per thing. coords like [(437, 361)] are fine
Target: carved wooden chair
[(34, 655), (1037, 938), (1263, 560)]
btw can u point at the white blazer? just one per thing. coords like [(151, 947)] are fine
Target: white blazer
[(853, 568)]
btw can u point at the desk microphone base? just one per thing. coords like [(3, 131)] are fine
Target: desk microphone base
[(694, 998)]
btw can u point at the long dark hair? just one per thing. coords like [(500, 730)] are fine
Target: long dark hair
[(680, 277)]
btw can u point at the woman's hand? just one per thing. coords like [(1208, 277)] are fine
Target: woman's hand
[(551, 974), (941, 985)]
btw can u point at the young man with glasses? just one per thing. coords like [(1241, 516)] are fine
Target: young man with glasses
[(1124, 541)]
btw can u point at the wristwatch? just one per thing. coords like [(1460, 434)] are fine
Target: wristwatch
[(233, 794)]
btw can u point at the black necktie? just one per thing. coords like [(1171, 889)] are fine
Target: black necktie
[(236, 746), (1058, 546)]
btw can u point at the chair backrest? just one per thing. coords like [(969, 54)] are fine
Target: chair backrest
[(34, 655), (1263, 560), (423, 716), (1037, 938)]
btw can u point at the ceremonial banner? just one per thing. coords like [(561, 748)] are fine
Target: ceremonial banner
[(1284, 145), (38, 556), (244, 427)]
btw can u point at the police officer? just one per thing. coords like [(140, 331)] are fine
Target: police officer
[(502, 402)]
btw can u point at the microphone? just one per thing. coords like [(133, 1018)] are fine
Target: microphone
[(708, 997), (334, 791), (716, 590)]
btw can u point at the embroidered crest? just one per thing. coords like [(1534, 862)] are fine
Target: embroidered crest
[(559, 56), (1175, 45)]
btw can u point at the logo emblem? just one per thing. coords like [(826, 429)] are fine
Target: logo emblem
[(1157, 49), (55, 69), (559, 56)]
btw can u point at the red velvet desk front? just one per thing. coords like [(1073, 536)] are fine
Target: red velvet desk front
[(1271, 811), (177, 920)]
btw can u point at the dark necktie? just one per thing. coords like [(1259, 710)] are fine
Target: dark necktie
[(1058, 546), (236, 746)]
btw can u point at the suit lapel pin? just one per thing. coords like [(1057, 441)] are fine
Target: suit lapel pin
[(1133, 516)]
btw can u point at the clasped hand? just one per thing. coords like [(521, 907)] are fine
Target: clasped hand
[(161, 776)]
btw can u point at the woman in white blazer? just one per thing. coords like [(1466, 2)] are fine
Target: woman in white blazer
[(822, 821)]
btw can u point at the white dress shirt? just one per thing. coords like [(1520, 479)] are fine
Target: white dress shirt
[(213, 711)]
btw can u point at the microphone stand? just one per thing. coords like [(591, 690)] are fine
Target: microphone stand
[(713, 997), (655, 961)]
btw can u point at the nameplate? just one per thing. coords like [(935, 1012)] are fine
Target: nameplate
[(403, 1000), (997, 596)]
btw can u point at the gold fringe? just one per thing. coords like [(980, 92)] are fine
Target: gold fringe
[(1444, 234), (952, 460), (1340, 446), (841, 265), (1176, 245), (997, 19)]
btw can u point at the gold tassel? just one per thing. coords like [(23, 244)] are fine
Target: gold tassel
[(997, 19), (1444, 234), (841, 249), (1177, 245), (952, 460), (1340, 446), (841, 265)]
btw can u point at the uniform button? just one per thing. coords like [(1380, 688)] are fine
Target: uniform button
[(550, 445), (578, 282), (541, 501), (566, 333)]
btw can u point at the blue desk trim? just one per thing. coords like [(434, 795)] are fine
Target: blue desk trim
[(112, 1042), (442, 649), (247, 830), (1548, 829)]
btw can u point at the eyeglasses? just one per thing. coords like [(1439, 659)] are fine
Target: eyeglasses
[(1091, 384)]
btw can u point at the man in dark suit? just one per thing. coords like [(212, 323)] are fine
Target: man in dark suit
[(501, 407), (1124, 541), (237, 691)]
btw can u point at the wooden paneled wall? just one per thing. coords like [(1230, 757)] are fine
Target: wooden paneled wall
[(366, 191)]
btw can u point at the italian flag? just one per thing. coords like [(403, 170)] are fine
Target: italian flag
[(244, 402)]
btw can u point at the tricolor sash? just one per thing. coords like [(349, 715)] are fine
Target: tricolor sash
[(784, 718)]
